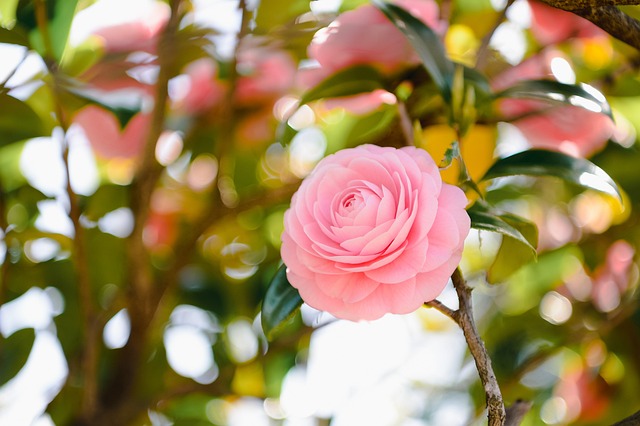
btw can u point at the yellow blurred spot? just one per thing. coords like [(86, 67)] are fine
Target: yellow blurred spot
[(613, 369), (248, 380), (596, 212), (461, 44), (120, 170), (476, 148), (597, 52), (434, 320)]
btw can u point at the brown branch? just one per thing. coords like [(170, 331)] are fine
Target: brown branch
[(571, 5), (605, 15), (495, 405), (90, 328)]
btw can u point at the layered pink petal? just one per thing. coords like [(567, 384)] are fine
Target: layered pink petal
[(373, 230)]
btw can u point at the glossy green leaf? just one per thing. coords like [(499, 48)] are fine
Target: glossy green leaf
[(512, 254), (553, 91), (280, 304), (14, 352), (484, 218), (17, 121), (426, 43), (538, 162), (348, 82)]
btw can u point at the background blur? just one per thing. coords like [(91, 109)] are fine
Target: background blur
[(79, 85)]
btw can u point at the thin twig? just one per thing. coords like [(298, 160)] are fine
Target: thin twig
[(405, 124), (495, 405), (483, 50), (438, 305)]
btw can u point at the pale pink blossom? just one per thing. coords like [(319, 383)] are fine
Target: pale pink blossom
[(569, 129), (365, 36), (265, 74), (106, 136), (373, 230), (139, 32), (199, 88), (550, 25), (612, 279)]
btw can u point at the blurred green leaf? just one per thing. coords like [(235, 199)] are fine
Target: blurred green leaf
[(17, 121), (484, 218), (14, 352), (512, 254), (14, 36), (553, 91), (348, 82), (426, 43), (60, 14), (107, 198), (280, 303), (275, 13), (538, 162)]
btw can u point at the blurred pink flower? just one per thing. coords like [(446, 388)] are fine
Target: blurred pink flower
[(373, 230), (569, 129), (612, 279), (137, 33), (265, 75), (256, 128), (364, 36), (587, 395), (106, 137), (362, 104), (199, 87), (550, 25)]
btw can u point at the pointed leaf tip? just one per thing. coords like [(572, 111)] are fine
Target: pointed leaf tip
[(280, 303)]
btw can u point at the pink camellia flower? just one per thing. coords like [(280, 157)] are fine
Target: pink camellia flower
[(550, 25), (343, 44), (106, 137), (569, 129), (373, 230)]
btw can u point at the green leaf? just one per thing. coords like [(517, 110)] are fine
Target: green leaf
[(14, 36), (107, 198), (512, 254), (14, 352), (484, 218), (538, 162), (17, 121), (553, 91), (348, 82), (426, 43), (452, 153), (60, 14), (280, 303)]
